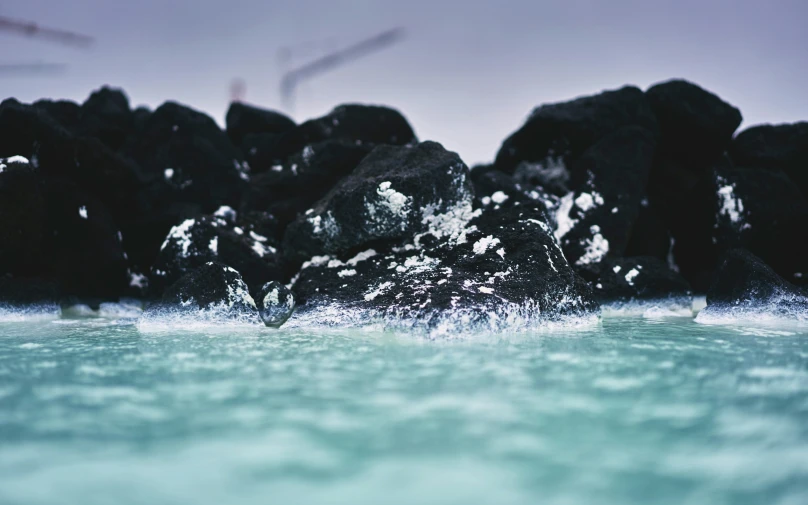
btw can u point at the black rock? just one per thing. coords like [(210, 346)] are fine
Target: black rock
[(290, 188), (624, 280), (276, 304), (394, 194), (598, 218), (213, 287), (696, 126), (107, 116), (193, 159), (52, 228), (66, 113), (780, 147), (558, 133), (650, 235), (354, 124), (84, 244), (240, 244), (23, 217), (744, 283), (55, 152), (495, 188), (491, 268), (18, 292), (243, 119), (760, 210)]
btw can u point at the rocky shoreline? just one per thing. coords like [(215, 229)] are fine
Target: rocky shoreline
[(618, 197)]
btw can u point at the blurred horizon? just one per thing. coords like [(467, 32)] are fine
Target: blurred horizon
[(467, 74)]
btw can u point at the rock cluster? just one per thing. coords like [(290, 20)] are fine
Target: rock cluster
[(622, 196)]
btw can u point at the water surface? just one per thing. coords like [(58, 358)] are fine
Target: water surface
[(632, 410)]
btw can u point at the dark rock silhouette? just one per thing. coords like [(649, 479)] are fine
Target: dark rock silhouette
[(99, 201), (775, 147), (744, 283)]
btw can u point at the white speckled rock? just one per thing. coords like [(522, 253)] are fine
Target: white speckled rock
[(487, 268), (276, 304), (212, 287), (243, 244), (394, 194)]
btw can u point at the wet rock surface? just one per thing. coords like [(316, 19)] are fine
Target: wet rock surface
[(394, 193), (276, 304), (213, 287), (486, 268), (244, 244), (635, 279), (760, 210), (626, 195), (743, 283), (290, 188)]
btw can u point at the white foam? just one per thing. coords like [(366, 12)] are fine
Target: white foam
[(137, 280), (5, 162), (597, 247), (227, 213), (485, 243), (466, 323), (783, 308), (680, 306), (731, 205), (631, 275), (564, 223), (170, 320), (120, 310), (12, 313), (499, 197)]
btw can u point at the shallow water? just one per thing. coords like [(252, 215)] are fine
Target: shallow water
[(632, 410)]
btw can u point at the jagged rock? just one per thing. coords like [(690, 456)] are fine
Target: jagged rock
[(194, 159), (276, 304), (496, 187), (489, 268), (625, 280), (696, 126), (290, 188), (555, 134), (760, 210), (106, 115), (598, 218), (65, 112), (212, 287), (779, 147), (55, 152), (241, 244), (243, 119), (394, 194), (696, 129), (351, 123), (745, 285)]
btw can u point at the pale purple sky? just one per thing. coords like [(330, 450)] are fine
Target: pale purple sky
[(467, 74)]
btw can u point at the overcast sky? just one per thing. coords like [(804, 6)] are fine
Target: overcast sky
[(466, 75)]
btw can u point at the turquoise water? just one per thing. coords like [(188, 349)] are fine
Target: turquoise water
[(632, 410)]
